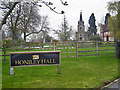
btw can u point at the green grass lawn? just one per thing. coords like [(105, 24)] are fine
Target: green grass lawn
[(70, 50), (0, 69), (87, 72)]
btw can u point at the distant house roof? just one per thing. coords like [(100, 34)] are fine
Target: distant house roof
[(104, 28)]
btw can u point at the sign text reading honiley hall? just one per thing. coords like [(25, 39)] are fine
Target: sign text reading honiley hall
[(19, 59)]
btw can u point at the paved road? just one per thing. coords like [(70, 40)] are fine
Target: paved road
[(115, 86)]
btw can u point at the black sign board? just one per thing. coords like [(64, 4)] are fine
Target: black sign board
[(34, 58)]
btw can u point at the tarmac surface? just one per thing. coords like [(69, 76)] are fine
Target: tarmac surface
[(114, 86)]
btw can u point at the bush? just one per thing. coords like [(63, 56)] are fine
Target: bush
[(20, 41), (8, 42), (95, 38)]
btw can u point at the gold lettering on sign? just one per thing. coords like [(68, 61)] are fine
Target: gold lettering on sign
[(47, 61), (38, 61), (44, 61), (29, 61), (50, 61), (41, 61), (34, 61), (53, 60), (17, 62), (24, 62)]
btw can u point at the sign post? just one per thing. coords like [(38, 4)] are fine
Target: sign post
[(21, 59), (59, 70), (11, 70)]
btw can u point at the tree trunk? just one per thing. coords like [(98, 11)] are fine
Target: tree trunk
[(116, 48), (13, 36), (7, 14), (25, 36)]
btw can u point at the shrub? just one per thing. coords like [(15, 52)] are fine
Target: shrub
[(8, 42), (95, 38), (20, 41)]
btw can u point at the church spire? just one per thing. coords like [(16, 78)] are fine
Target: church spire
[(80, 15)]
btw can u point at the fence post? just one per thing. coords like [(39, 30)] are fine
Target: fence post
[(59, 70), (29, 46), (4, 53), (96, 49), (118, 50), (76, 50), (54, 46)]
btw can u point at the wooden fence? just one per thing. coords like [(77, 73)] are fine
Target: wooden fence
[(68, 49), (96, 48)]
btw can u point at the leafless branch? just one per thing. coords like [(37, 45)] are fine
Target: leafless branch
[(8, 13)]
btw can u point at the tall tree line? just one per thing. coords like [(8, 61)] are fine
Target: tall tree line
[(114, 24), (13, 5), (23, 18)]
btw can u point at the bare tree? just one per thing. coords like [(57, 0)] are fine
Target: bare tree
[(13, 22), (7, 14), (30, 20), (25, 19), (48, 4)]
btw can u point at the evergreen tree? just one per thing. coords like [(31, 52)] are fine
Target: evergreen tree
[(65, 31), (106, 18), (92, 28)]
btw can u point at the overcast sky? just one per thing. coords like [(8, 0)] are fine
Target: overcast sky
[(72, 11)]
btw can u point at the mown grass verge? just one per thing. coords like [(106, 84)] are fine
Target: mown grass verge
[(87, 72)]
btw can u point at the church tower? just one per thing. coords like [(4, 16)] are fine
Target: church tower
[(80, 34)]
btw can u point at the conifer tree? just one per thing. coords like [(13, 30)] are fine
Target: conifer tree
[(65, 31), (106, 18), (92, 27)]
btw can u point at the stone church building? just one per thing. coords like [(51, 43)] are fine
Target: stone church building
[(81, 35)]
